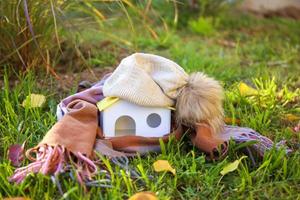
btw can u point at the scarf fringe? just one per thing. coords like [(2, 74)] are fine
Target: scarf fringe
[(54, 160), (262, 145)]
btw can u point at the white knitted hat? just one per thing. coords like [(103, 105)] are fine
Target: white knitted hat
[(151, 80), (146, 80)]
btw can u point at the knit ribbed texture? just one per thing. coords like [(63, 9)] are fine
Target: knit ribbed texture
[(146, 80)]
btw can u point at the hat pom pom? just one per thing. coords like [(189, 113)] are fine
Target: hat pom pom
[(201, 101)]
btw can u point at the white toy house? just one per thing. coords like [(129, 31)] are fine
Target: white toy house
[(119, 118)]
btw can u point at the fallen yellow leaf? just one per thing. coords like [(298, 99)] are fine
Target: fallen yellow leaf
[(34, 101), (246, 90), (143, 196), (232, 166), (163, 165), (229, 120), (291, 117)]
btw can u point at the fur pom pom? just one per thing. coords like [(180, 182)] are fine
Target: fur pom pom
[(201, 100)]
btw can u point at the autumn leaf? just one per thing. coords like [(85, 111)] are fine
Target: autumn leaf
[(144, 196), (246, 90), (34, 101), (291, 117), (227, 43), (163, 165), (15, 154), (229, 120), (232, 166)]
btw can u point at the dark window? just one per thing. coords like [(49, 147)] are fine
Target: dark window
[(154, 120)]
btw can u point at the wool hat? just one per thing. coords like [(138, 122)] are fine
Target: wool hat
[(151, 80), (146, 80)]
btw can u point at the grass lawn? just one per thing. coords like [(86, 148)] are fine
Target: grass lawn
[(263, 53)]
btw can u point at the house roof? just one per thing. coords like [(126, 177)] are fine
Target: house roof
[(109, 101)]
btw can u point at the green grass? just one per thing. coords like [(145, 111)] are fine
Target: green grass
[(259, 43)]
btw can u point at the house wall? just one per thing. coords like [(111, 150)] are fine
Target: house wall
[(139, 114)]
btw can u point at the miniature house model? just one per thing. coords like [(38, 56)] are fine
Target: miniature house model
[(119, 118)]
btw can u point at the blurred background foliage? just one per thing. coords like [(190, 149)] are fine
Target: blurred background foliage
[(59, 35)]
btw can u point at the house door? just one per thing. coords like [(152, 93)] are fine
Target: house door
[(125, 125)]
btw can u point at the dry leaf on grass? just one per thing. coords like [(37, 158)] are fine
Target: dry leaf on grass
[(229, 120), (246, 90), (34, 101), (291, 117), (227, 43), (144, 196), (163, 165), (15, 154), (232, 166), (16, 198)]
